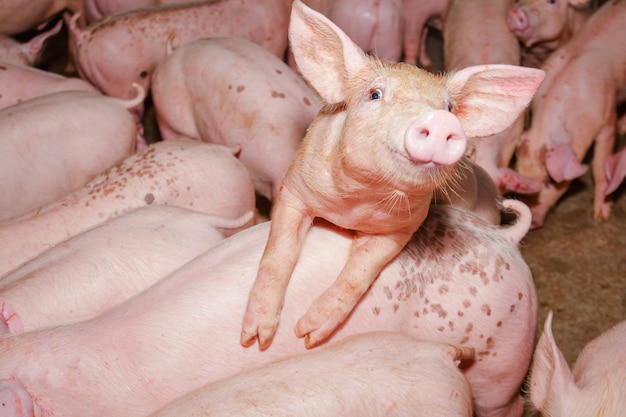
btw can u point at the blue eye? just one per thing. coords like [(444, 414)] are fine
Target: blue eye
[(376, 94)]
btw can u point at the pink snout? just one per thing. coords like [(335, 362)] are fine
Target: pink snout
[(436, 137), (517, 20)]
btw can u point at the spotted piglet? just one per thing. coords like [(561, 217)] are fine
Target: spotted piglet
[(388, 136)]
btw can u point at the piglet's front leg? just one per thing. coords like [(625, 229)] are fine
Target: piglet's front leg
[(290, 224), (368, 256)]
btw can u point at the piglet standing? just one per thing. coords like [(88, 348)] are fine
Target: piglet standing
[(585, 70), (465, 44), (419, 16), (389, 134), (543, 26), (596, 386), (233, 92), (365, 375)]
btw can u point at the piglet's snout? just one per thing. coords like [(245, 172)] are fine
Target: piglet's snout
[(435, 137), (517, 20)]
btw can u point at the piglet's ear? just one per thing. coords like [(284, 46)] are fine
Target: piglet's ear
[(488, 98), (550, 373), (324, 54)]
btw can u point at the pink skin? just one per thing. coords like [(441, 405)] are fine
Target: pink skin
[(233, 92), (15, 18), (596, 386), (142, 38), (471, 188), (26, 53), (544, 25), (419, 15), (20, 82), (185, 173), (371, 374), (369, 163), (615, 171), (36, 135), (103, 266), (459, 281), (465, 44), (99, 9), (377, 27), (562, 131)]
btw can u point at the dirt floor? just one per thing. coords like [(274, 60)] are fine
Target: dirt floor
[(578, 263)]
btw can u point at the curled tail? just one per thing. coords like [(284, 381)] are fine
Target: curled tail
[(516, 231), (135, 101), (227, 223)]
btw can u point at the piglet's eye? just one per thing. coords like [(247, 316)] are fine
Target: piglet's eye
[(376, 94), (450, 107)]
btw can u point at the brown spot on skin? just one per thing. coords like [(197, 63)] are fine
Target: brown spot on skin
[(469, 327), (240, 88), (486, 309), (387, 292), (460, 313), (464, 340), (473, 291), (437, 308), (451, 325), (376, 311), (441, 328), (512, 308), (279, 72), (490, 343), (443, 289), (499, 324), (149, 198), (306, 101), (520, 296), (230, 86), (467, 303), (277, 94), (416, 314), (396, 307), (143, 74)]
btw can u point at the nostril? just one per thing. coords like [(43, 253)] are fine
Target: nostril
[(424, 132)]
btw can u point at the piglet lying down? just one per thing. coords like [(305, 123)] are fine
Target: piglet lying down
[(370, 374), (388, 135), (458, 281)]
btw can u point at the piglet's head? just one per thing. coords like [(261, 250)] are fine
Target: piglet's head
[(394, 119)]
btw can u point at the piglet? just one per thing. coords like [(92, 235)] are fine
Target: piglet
[(52, 144), (459, 281), (543, 26), (586, 68), (233, 92), (371, 374), (596, 386), (387, 137), (25, 53), (466, 44), (87, 274), (20, 82), (182, 172), (124, 48)]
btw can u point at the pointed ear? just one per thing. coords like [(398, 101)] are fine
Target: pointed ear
[(549, 373), (324, 54), (488, 98)]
